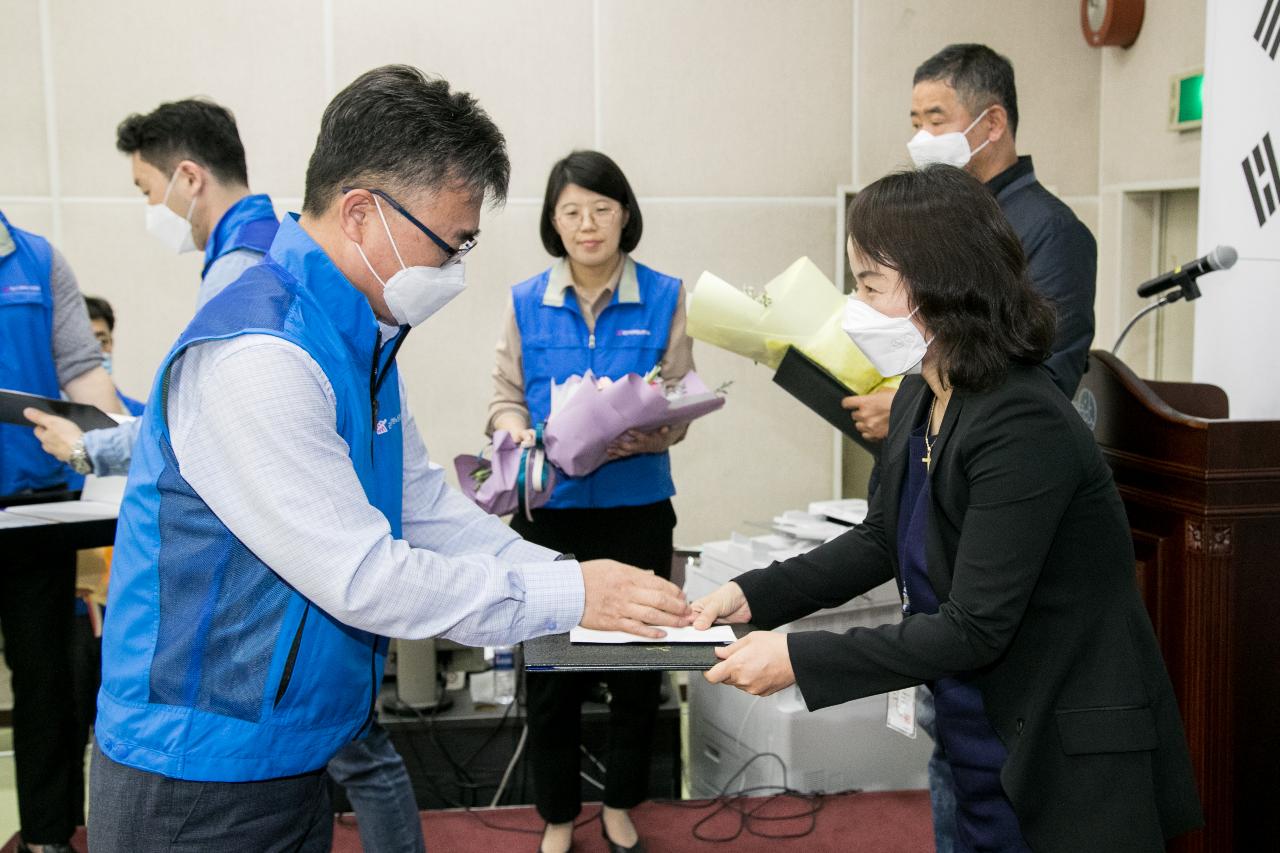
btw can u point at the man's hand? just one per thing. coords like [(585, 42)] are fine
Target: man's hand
[(57, 435), (631, 443), (624, 598), (727, 604), (758, 664), (870, 413)]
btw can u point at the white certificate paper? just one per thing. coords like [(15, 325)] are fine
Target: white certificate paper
[(716, 634)]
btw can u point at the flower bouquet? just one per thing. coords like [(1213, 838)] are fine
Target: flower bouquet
[(588, 413), (800, 308), (513, 478)]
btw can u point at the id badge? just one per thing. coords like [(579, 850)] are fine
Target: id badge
[(902, 711)]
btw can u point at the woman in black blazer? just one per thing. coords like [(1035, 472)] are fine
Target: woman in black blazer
[(998, 519)]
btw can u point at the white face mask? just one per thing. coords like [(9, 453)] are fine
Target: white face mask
[(949, 148), (168, 227), (893, 345), (415, 293)]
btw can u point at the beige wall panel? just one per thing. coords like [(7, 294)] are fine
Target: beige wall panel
[(727, 98), (1057, 76), (24, 155), (1137, 145), (262, 60), (152, 290), (36, 217), (1107, 306), (529, 65)]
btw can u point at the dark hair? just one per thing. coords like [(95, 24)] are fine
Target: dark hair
[(193, 129), (593, 171), (100, 309), (980, 76), (963, 267), (395, 129)]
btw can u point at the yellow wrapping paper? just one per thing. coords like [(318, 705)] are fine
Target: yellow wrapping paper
[(800, 308)]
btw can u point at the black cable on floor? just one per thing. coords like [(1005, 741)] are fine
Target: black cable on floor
[(749, 819)]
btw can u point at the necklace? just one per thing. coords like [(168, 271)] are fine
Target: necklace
[(928, 445)]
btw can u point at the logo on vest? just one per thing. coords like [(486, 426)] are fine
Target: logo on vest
[(627, 333), (385, 426)]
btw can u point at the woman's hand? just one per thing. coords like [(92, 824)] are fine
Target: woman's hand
[(517, 427), (727, 605), (758, 664), (631, 442), (57, 435)]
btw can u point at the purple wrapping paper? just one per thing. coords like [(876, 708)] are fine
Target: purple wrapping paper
[(585, 419), (499, 493)]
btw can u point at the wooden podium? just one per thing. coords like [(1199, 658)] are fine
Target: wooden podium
[(1203, 497)]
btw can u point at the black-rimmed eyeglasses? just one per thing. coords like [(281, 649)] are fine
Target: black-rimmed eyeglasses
[(455, 254)]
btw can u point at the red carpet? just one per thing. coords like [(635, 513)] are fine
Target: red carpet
[(882, 822)]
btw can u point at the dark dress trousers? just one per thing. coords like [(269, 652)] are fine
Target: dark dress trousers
[(1029, 551)]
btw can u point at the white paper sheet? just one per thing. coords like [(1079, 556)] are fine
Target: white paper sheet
[(68, 510), (8, 519), (716, 634), (100, 498)]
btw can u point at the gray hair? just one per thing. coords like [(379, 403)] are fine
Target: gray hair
[(394, 128)]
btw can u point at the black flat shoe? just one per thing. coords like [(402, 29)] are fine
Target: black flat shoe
[(615, 847)]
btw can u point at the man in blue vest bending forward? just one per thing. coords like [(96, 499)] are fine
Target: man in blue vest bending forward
[(282, 518)]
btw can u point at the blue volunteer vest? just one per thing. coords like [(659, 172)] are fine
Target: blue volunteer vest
[(26, 357), (249, 224), (630, 337), (213, 668)]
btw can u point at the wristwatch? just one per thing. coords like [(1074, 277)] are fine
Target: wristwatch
[(79, 459)]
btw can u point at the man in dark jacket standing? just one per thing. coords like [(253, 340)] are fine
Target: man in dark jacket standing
[(964, 107)]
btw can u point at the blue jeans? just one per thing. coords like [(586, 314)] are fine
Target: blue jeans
[(377, 783), (942, 793)]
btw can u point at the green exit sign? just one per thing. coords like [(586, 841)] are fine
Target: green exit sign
[(1186, 101)]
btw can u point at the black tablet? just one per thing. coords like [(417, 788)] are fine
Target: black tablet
[(81, 414)]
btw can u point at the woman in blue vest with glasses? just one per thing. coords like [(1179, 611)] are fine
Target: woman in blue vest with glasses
[(595, 309)]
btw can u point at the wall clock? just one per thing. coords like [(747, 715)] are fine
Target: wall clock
[(1111, 22)]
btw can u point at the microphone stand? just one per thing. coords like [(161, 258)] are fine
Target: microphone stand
[(1186, 289)]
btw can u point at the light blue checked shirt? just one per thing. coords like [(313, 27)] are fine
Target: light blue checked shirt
[(111, 450), (252, 426)]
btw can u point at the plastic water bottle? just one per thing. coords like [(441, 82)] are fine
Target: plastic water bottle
[(504, 674)]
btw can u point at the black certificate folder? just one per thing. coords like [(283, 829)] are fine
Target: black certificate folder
[(811, 384), (554, 653), (81, 414)]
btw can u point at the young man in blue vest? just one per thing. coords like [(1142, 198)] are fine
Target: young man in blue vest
[(188, 160), (282, 517), (46, 348)]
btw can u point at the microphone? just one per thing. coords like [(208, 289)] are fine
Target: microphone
[(1221, 258)]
